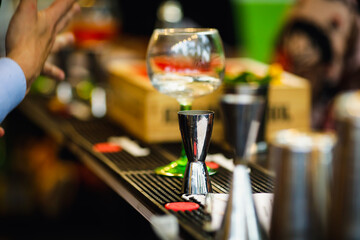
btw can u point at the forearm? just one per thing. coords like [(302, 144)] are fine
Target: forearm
[(12, 86)]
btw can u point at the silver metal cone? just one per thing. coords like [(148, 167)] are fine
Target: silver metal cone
[(345, 201), (196, 128), (241, 118), (240, 220)]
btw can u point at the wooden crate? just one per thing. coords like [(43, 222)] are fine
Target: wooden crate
[(289, 100), (152, 117)]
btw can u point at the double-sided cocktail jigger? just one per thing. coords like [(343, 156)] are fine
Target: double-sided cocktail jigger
[(196, 128), (254, 90), (241, 119)]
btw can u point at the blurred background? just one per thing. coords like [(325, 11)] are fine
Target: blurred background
[(44, 189)]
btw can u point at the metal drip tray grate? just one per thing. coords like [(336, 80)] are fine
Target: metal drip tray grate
[(92, 132), (161, 190), (96, 130), (136, 173)]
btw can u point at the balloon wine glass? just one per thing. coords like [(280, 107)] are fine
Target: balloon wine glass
[(185, 63)]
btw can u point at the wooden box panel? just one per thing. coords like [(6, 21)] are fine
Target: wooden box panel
[(152, 116)]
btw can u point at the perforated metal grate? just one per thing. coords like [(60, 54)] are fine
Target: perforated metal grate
[(159, 190), (138, 173)]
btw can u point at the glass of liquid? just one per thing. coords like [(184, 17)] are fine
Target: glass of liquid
[(185, 63)]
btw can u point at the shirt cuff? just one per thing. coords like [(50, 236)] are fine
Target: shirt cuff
[(12, 86)]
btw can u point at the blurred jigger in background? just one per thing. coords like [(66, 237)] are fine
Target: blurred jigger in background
[(254, 90), (241, 118), (302, 162), (345, 205), (196, 128)]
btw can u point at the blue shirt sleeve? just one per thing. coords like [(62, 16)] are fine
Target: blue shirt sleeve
[(12, 86)]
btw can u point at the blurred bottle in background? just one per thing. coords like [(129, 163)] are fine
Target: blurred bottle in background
[(140, 19), (170, 14), (97, 24)]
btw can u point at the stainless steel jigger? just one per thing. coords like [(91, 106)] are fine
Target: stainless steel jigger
[(241, 119), (196, 128)]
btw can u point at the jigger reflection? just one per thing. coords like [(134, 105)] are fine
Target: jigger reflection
[(196, 128)]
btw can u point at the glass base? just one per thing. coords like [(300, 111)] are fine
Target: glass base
[(177, 169)]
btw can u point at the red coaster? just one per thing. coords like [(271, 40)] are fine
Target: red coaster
[(212, 165), (182, 206), (106, 147)]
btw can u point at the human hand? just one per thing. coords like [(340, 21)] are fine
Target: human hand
[(32, 33), (61, 41)]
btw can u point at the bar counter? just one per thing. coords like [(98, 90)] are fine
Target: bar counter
[(133, 177)]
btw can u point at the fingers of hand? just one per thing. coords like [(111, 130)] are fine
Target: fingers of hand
[(63, 40), (52, 71), (64, 21), (58, 9)]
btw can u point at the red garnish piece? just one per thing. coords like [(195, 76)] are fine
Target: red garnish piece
[(212, 165), (106, 147), (182, 206)]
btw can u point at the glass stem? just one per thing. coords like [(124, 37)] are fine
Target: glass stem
[(183, 157)]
